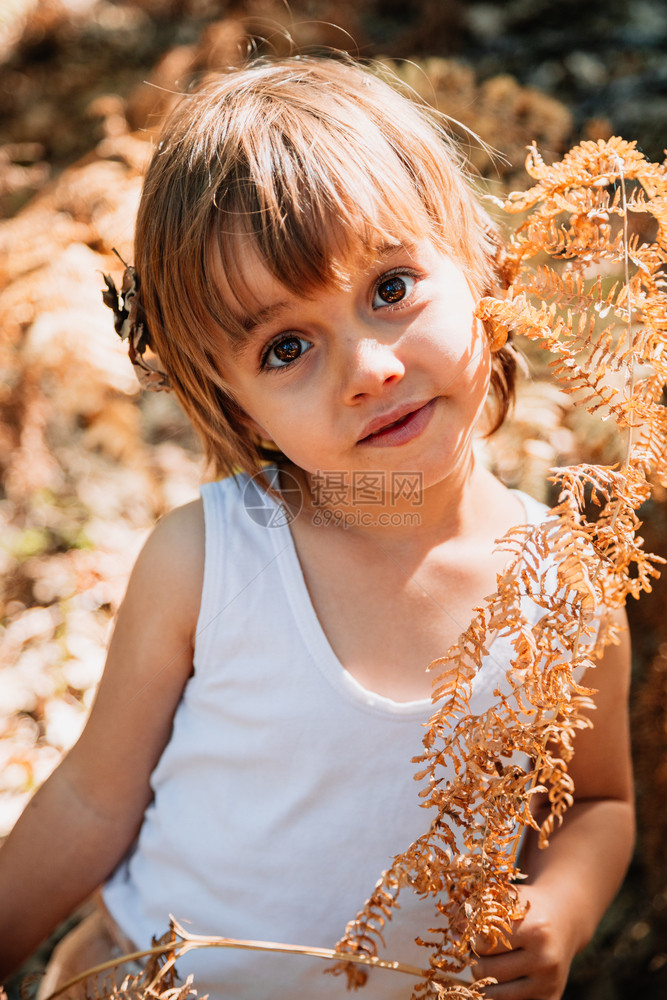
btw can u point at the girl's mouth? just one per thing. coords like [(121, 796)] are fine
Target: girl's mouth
[(402, 430)]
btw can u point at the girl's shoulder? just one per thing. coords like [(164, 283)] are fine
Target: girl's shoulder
[(182, 526), (226, 522), (171, 564)]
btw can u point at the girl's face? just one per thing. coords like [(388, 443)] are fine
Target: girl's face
[(387, 370)]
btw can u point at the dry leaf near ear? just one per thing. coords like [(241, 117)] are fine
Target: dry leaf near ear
[(130, 325)]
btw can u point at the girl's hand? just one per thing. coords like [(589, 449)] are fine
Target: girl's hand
[(543, 946)]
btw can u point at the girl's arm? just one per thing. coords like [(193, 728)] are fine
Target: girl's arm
[(571, 883), (83, 819)]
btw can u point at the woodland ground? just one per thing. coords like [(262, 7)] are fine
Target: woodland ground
[(87, 465)]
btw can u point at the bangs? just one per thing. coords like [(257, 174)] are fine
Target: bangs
[(308, 200)]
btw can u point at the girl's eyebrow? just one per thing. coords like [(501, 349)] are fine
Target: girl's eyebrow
[(388, 249), (250, 324)]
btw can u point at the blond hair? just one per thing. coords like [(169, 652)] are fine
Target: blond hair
[(311, 158)]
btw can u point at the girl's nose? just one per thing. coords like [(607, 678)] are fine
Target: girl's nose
[(370, 367)]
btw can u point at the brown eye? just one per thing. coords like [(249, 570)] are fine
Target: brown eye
[(283, 352), (287, 350), (392, 289)]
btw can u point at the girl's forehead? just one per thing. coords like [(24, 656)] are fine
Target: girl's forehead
[(252, 287)]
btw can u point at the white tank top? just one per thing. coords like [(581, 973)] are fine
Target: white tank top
[(286, 787)]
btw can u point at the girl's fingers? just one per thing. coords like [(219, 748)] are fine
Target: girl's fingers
[(518, 989), (520, 976), (484, 946), (503, 967)]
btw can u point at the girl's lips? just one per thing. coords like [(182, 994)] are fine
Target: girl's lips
[(402, 430)]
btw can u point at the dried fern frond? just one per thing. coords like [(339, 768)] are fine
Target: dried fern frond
[(608, 339)]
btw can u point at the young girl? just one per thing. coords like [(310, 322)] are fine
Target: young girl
[(309, 257)]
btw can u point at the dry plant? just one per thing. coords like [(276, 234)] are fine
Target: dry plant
[(599, 212)]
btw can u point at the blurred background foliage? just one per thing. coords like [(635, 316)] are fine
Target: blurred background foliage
[(87, 464)]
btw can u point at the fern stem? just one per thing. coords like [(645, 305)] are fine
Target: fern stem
[(194, 941), (630, 378)]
